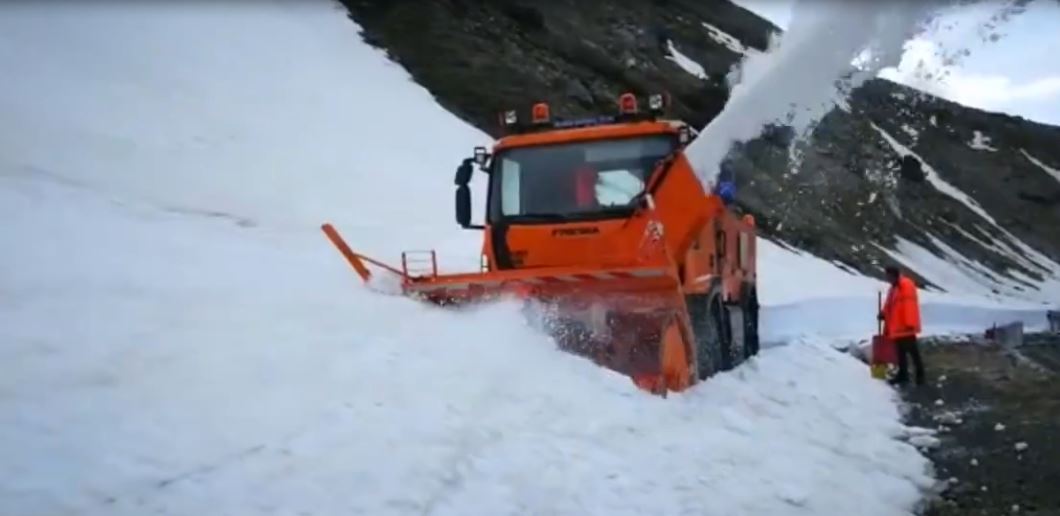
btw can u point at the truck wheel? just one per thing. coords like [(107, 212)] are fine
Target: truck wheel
[(707, 335), (750, 322)]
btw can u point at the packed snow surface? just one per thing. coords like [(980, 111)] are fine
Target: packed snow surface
[(185, 365), (177, 336)]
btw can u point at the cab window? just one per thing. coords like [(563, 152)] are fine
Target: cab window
[(573, 179)]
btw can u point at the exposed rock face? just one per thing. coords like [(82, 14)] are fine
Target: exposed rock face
[(853, 195)]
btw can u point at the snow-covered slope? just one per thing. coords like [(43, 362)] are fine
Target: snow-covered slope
[(264, 131), (177, 337), (963, 277), (157, 362), (1045, 168)]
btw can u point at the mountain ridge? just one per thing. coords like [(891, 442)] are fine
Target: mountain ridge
[(894, 175)]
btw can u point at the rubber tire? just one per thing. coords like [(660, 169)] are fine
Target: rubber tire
[(720, 313), (707, 337), (750, 322)]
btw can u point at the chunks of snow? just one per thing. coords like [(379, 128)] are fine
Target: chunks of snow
[(981, 142), (949, 418), (925, 441), (726, 39), (1021, 446), (909, 130), (999, 427), (1045, 168), (934, 121), (686, 63)]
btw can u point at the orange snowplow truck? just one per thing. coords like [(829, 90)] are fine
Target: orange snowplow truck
[(601, 226)]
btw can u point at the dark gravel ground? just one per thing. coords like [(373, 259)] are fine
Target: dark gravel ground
[(997, 413)]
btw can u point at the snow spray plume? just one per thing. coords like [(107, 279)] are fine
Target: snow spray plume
[(830, 49), (929, 62)]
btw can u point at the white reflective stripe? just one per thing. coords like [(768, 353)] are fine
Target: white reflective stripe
[(640, 273)]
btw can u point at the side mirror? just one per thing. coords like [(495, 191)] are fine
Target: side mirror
[(463, 205), (480, 156), (463, 173)]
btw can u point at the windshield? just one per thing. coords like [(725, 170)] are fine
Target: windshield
[(573, 179)]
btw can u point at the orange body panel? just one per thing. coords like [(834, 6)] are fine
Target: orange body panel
[(605, 132)]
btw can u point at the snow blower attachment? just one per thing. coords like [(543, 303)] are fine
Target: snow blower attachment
[(604, 231)]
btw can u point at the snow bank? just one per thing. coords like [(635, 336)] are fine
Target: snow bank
[(186, 365), (842, 320), (787, 276), (804, 296), (686, 63)]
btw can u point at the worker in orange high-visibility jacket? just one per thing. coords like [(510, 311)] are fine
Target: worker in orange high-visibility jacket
[(901, 324)]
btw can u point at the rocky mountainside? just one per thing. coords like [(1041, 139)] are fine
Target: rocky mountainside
[(895, 171)]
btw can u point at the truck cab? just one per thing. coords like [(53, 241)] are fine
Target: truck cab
[(563, 193), (579, 200)]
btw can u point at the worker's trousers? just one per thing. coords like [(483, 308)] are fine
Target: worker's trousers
[(908, 346)]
